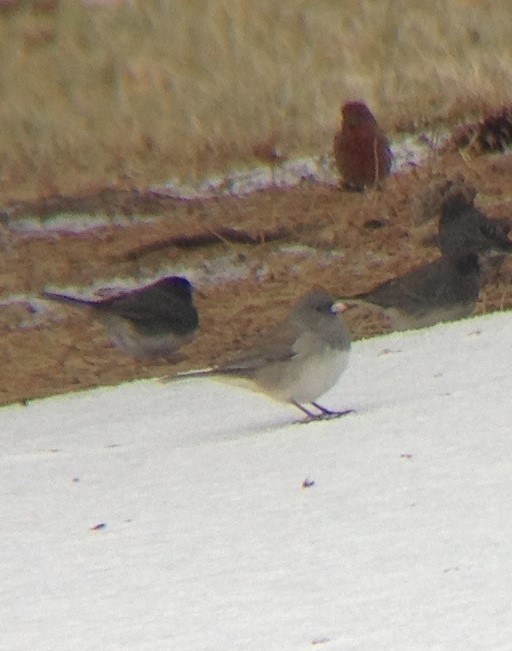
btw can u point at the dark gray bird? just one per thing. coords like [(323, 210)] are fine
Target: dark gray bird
[(448, 288), (149, 322), (444, 290), (297, 360), (463, 228), (487, 236)]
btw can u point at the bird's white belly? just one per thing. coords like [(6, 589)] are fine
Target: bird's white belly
[(455, 312), (139, 345), (303, 379)]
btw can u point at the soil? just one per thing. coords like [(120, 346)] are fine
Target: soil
[(359, 239)]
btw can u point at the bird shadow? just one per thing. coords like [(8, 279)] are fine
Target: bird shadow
[(274, 425)]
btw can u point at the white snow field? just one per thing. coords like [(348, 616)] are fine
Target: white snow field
[(401, 539)]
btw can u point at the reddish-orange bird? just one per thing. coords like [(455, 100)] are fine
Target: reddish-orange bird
[(361, 149)]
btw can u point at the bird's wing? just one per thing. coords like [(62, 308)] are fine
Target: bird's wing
[(276, 345), (154, 311), (64, 298), (410, 292)]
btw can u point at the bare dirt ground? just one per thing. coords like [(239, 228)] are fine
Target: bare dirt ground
[(358, 241)]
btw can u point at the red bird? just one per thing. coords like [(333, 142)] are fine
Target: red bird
[(361, 149)]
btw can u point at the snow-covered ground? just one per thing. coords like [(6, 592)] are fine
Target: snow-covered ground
[(194, 515)]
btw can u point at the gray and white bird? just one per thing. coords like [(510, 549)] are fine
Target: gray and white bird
[(295, 361), (148, 322), (448, 288)]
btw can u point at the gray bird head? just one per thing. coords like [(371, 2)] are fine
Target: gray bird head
[(319, 312), (317, 304), (464, 229)]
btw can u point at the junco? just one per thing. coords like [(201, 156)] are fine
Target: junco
[(149, 322), (462, 227), (425, 204), (448, 288), (444, 290), (297, 360), (361, 150)]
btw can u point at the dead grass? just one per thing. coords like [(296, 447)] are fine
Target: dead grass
[(347, 254), (135, 93), (140, 91)]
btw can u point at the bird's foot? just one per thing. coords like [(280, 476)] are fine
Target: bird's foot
[(347, 186), (314, 418), (325, 414), (329, 413)]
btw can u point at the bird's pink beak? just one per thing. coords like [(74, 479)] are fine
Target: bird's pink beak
[(339, 307)]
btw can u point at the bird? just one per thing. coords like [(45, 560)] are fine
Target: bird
[(446, 289), (463, 227), (297, 360), (149, 322), (426, 203), (361, 149)]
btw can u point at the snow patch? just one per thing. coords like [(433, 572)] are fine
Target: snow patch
[(211, 538)]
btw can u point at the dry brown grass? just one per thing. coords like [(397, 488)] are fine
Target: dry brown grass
[(347, 254), (136, 93), (147, 89)]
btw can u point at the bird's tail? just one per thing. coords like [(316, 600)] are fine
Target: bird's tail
[(64, 298), (186, 375)]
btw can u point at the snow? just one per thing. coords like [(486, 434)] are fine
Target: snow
[(72, 223), (211, 541), (408, 153)]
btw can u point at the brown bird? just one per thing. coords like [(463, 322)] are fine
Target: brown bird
[(361, 149)]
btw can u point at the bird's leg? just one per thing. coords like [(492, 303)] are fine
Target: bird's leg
[(328, 413), (323, 415), (310, 416)]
